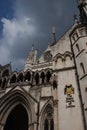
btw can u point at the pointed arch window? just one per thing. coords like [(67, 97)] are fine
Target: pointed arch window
[(46, 124), (42, 77), (37, 78), (49, 122), (48, 76), (52, 124)]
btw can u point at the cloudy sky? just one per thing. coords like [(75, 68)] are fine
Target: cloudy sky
[(27, 22)]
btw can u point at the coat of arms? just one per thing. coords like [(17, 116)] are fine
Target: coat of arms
[(69, 89)]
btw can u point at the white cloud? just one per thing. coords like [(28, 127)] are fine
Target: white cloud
[(13, 30), (31, 24)]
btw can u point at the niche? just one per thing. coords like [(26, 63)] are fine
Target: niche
[(42, 77), (37, 78), (48, 76)]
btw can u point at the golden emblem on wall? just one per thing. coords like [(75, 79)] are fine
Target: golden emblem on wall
[(69, 89)]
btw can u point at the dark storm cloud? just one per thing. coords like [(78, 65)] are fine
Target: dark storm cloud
[(46, 13), (42, 15)]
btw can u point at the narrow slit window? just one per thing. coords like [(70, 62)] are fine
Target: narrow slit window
[(82, 68), (77, 46)]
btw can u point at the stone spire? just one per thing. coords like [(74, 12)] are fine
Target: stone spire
[(75, 18), (31, 58), (54, 34)]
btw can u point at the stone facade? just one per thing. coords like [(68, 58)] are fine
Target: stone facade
[(51, 92)]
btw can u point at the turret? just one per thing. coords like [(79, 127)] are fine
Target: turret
[(78, 38)]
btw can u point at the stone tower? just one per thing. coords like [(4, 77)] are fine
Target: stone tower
[(78, 38), (51, 92)]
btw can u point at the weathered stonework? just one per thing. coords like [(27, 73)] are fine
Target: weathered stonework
[(51, 92)]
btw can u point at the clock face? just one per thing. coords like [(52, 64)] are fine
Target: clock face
[(48, 56)]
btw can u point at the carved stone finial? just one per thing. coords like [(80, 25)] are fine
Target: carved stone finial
[(54, 33), (53, 30), (32, 47), (75, 18)]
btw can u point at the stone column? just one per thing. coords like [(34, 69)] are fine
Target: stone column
[(40, 80)]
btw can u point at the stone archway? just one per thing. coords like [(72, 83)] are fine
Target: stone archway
[(17, 119)]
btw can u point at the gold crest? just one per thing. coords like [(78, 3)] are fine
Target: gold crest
[(69, 89)]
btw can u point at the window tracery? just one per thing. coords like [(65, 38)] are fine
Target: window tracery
[(49, 122)]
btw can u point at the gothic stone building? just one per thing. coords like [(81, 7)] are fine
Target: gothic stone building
[(51, 92)]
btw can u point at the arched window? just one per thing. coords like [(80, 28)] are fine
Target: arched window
[(5, 73), (42, 77), (82, 68), (13, 79), (77, 46), (46, 124), (20, 77), (49, 122), (37, 78), (48, 76), (17, 119), (28, 76)]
